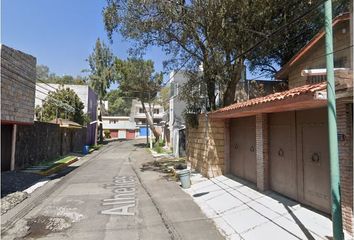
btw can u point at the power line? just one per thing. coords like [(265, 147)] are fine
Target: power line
[(278, 30), (68, 107), (53, 89)]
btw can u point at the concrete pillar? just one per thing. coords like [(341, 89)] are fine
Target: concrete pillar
[(227, 146), (13, 147), (262, 151)]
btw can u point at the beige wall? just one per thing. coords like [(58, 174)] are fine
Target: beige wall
[(315, 58), (205, 147)]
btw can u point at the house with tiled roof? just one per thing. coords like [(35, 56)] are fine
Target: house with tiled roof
[(279, 142)]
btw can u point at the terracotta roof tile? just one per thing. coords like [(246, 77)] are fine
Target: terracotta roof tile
[(311, 88)]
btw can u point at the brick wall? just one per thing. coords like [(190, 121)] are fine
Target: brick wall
[(42, 142), (205, 146), (262, 154), (18, 77), (345, 127)]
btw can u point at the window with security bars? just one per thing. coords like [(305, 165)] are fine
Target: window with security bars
[(316, 79)]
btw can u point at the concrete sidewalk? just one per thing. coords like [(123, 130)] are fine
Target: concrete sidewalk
[(241, 212), (180, 214)]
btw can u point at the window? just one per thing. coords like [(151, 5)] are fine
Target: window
[(316, 79), (156, 111), (141, 110), (113, 121)]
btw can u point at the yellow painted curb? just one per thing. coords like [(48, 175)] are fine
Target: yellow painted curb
[(57, 168)]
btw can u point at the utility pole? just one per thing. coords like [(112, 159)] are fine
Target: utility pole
[(332, 127)]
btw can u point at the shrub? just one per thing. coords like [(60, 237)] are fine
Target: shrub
[(107, 133)]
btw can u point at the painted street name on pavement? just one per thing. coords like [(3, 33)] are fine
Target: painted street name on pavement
[(123, 188)]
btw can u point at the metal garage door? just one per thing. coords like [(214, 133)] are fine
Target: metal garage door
[(243, 148), (312, 134), (282, 156), (122, 134), (130, 134), (143, 131)]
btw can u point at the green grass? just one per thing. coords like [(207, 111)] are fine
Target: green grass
[(95, 147), (65, 159), (58, 160)]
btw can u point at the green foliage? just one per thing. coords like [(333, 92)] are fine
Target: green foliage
[(215, 33), (44, 75), (191, 119), (164, 98), (137, 78), (107, 133), (118, 104), (53, 106), (101, 68)]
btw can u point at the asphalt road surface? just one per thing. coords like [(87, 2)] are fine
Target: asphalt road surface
[(110, 197)]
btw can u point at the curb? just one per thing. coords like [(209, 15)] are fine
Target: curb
[(57, 168), (24, 207)]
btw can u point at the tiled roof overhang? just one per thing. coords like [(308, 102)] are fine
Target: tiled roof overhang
[(304, 97)]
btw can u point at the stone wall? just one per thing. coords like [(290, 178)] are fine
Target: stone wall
[(18, 77), (42, 142), (205, 147)]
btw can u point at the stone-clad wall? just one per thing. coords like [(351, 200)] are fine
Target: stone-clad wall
[(42, 142), (18, 79), (205, 146)]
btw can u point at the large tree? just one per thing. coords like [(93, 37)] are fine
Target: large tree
[(138, 79), (101, 76), (217, 34), (45, 76), (118, 103), (62, 103)]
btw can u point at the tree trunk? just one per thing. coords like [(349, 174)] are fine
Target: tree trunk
[(229, 95), (150, 120), (211, 94)]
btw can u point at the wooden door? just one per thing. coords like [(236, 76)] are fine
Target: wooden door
[(243, 148), (282, 153), (236, 149), (314, 159)]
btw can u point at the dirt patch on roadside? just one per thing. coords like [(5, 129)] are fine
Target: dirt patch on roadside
[(44, 225), (167, 166)]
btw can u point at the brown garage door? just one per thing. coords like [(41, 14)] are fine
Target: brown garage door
[(298, 154), (282, 155), (312, 134), (243, 148)]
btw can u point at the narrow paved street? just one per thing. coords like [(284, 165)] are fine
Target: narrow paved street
[(110, 197)]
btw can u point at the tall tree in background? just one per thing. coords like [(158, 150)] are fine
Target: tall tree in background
[(137, 78), (101, 70), (216, 34), (56, 106), (45, 76)]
